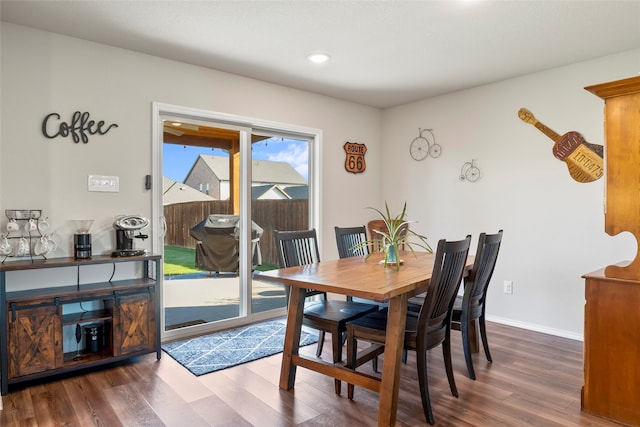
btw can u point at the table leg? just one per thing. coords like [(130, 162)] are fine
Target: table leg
[(394, 344), (292, 338)]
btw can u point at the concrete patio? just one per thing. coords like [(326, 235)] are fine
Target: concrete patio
[(195, 299)]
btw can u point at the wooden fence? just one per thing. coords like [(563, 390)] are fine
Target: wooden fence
[(268, 214)]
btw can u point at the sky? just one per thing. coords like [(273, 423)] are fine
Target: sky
[(178, 159)]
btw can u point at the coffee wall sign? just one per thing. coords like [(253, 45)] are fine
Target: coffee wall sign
[(354, 162), (79, 127)]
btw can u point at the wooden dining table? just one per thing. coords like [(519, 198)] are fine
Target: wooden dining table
[(361, 278)]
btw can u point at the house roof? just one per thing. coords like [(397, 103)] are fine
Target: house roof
[(268, 191), (262, 171), (176, 192), (298, 192)]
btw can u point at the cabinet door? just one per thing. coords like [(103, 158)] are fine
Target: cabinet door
[(35, 340), (134, 323)]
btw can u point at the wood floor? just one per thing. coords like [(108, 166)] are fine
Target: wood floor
[(535, 379)]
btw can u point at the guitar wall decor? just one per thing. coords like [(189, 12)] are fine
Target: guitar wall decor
[(584, 160)]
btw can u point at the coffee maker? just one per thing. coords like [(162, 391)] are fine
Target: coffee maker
[(82, 239), (126, 227)]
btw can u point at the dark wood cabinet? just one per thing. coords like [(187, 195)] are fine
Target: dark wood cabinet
[(38, 321)]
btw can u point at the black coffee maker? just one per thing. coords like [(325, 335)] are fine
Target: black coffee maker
[(126, 228), (82, 239)]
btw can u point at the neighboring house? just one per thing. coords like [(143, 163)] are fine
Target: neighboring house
[(276, 192), (268, 192), (176, 192), (210, 175), (298, 192)]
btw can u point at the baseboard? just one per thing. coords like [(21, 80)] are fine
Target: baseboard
[(537, 328)]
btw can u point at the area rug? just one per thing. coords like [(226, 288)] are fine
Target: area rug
[(220, 350)]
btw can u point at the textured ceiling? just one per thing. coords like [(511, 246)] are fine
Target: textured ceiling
[(384, 53)]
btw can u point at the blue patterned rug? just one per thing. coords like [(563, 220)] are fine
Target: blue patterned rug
[(210, 353)]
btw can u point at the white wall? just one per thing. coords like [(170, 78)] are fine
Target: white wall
[(553, 226), (43, 72)]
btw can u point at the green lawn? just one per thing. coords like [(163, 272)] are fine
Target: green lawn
[(178, 260)]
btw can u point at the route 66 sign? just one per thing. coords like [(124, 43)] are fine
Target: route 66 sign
[(354, 162)]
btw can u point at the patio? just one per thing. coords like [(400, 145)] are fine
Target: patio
[(193, 299)]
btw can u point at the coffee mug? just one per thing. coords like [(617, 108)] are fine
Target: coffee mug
[(5, 246), (51, 244), (44, 245), (12, 225), (43, 225), (24, 248), (41, 246), (30, 226)]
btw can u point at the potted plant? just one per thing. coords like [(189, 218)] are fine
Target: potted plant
[(396, 236)]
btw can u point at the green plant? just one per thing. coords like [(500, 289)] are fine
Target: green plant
[(396, 236)]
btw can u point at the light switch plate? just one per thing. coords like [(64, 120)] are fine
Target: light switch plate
[(109, 184)]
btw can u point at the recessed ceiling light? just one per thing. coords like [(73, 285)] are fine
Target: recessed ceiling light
[(318, 58)]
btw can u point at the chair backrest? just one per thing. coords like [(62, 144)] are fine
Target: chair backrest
[(379, 225), (434, 320), (477, 283), (297, 248), (348, 237)]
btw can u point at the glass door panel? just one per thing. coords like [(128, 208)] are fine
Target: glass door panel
[(279, 201), (201, 255)]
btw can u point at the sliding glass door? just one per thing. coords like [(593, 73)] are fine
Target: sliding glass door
[(226, 186)]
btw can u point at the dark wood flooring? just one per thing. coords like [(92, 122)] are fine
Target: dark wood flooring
[(535, 380)]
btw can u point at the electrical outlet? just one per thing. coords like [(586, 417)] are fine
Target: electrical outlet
[(508, 287)]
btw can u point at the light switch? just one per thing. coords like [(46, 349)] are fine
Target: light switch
[(109, 184)]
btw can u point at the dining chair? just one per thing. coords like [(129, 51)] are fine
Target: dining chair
[(471, 305), (326, 315), (426, 330), (350, 241)]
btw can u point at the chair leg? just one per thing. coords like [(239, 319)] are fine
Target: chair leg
[(464, 329), (351, 360), (423, 381), (320, 343), (446, 353), (483, 336), (336, 340)]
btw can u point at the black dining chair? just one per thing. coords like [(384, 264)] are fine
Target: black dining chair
[(426, 330), (471, 305), (350, 241), (300, 248)]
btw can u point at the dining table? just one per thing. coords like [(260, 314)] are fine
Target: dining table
[(360, 277)]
